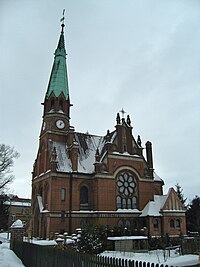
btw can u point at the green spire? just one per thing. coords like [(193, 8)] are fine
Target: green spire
[(58, 82)]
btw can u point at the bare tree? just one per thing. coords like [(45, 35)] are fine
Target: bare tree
[(7, 156)]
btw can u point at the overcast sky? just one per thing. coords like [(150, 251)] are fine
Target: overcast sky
[(141, 55)]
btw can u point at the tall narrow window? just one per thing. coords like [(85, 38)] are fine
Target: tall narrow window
[(178, 223), (129, 204), (155, 223), (84, 196), (119, 202), (52, 104), (63, 194), (134, 203), (171, 223), (61, 105)]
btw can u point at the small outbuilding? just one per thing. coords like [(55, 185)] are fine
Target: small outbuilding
[(128, 243)]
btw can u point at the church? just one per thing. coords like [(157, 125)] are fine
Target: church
[(80, 178)]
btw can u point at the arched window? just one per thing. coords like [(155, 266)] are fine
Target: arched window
[(61, 105), (127, 224), (155, 223), (83, 196), (126, 191), (124, 203), (178, 223), (119, 202), (120, 224), (171, 223), (134, 202), (129, 204), (52, 104)]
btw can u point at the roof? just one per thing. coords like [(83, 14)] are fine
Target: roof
[(120, 238), (17, 203), (156, 177), (87, 147), (58, 82), (153, 207)]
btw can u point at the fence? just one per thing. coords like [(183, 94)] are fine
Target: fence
[(42, 256)]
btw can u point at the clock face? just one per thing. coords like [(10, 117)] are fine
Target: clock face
[(60, 124)]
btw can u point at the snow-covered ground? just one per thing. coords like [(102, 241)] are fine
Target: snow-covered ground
[(9, 259), (7, 256), (156, 256)]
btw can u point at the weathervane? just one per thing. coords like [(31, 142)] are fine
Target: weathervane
[(63, 19), (123, 112)]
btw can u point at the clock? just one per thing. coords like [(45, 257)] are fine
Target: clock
[(60, 124)]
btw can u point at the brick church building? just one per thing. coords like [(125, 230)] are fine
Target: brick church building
[(82, 178)]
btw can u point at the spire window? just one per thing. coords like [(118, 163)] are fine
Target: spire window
[(61, 105), (52, 104)]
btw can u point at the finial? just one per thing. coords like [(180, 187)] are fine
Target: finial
[(118, 118), (128, 120), (123, 112), (108, 136), (139, 142), (62, 20)]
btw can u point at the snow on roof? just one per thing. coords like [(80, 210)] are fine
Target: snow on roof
[(17, 203), (153, 207), (87, 147), (41, 207), (17, 224), (156, 177), (119, 238), (64, 162), (128, 210)]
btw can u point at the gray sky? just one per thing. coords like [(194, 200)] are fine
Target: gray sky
[(141, 55)]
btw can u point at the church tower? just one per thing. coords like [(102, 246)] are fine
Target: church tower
[(55, 130), (80, 178), (56, 112)]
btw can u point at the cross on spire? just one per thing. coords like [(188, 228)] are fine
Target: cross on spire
[(122, 112)]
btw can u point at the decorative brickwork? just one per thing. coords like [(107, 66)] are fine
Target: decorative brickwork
[(81, 178)]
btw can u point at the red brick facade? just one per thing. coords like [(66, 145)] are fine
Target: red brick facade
[(79, 178)]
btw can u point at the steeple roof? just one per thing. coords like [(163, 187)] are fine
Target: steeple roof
[(58, 82)]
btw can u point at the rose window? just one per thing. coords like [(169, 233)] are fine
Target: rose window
[(126, 191), (126, 184)]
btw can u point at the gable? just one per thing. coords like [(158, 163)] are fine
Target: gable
[(172, 202)]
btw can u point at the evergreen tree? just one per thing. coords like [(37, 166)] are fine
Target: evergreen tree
[(92, 240), (193, 215), (179, 191)]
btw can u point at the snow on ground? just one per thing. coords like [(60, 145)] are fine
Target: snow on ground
[(156, 256), (9, 259), (7, 256)]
